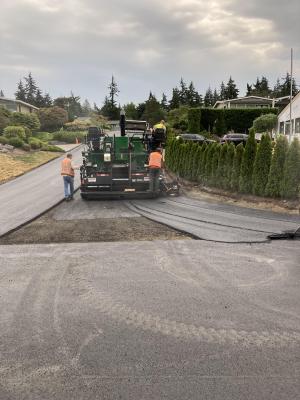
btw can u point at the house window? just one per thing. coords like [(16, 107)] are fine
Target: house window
[(281, 128), (287, 128), (297, 125)]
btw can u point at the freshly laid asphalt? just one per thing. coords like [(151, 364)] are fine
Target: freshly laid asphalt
[(31, 194), (178, 320), (215, 221)]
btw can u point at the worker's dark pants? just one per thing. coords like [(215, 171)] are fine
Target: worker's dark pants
[(154, 179), (68, 186)]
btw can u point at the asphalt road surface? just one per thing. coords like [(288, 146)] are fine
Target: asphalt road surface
[(31, 194), (150, 320), (214, 221)]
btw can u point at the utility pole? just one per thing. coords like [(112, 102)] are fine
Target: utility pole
[(291, 100)]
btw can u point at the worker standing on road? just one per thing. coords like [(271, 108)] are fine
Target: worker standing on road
[(155, 166), (68, 174)]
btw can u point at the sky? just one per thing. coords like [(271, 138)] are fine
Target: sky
[(146, 44)]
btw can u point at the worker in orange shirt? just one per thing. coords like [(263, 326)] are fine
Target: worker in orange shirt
[(68, 174), (155, 166)]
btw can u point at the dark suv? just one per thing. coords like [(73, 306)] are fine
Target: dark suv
[(235, 138), (194, 137)]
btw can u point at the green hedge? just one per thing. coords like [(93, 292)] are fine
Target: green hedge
[(254, 169), (68, 137)]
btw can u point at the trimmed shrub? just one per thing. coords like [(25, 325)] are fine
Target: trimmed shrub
[(215, 163), (236, 167), (194, 118), (44, 136), (68, 137), (275, 177), (26, 147), (246, 174), (30, 121), (229, 165), (49, 147), (16, 142), (3, 140), (221, 170), (4, 118), (265, 123), (262, 163), (209, 163), (15, 132), (202, 163), (35, 143), (291, 176)]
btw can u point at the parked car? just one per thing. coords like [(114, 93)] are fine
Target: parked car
[(235, 138), (194, 137)]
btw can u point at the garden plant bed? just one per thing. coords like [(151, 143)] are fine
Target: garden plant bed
[(18, 162)]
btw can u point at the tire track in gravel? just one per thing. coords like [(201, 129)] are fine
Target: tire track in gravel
[(151, 323)]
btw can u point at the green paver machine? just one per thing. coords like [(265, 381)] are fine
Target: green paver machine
[(114, 165)]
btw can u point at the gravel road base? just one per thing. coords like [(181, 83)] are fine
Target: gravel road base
[(49, 230)]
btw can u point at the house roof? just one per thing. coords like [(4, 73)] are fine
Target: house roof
[(19, 102), (288, 105), (238, 99)]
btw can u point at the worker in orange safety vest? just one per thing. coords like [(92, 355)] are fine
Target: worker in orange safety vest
[(68, 174), (155, 166)]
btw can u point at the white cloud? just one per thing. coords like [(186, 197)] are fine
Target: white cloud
[(77, 44)]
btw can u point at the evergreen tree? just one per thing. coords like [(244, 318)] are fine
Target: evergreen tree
[(249, 90), (215, 97), (164, 102), (285, 88), (202, 162), (236, 168), (222, 91), (1, 93), (208, 98), (291, 175), (208, 177), (193, 97), (153, 112), (175, 100), (262, 165), (39, 99), (113, 92), (30, 89), (221, 171), (183, 93), (47, 100), (86, 108), (275, 177), (231, 91), (229, 166), (140, 109), (246, 174), (215, 163), (265, 90), (277, 89), (130, 111), (20, 93)]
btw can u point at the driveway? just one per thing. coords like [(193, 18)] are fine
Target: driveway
[(29, 195)]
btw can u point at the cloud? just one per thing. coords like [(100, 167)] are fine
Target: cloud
[(148, 45)]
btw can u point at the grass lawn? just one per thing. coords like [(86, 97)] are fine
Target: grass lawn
[(12, 165)]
